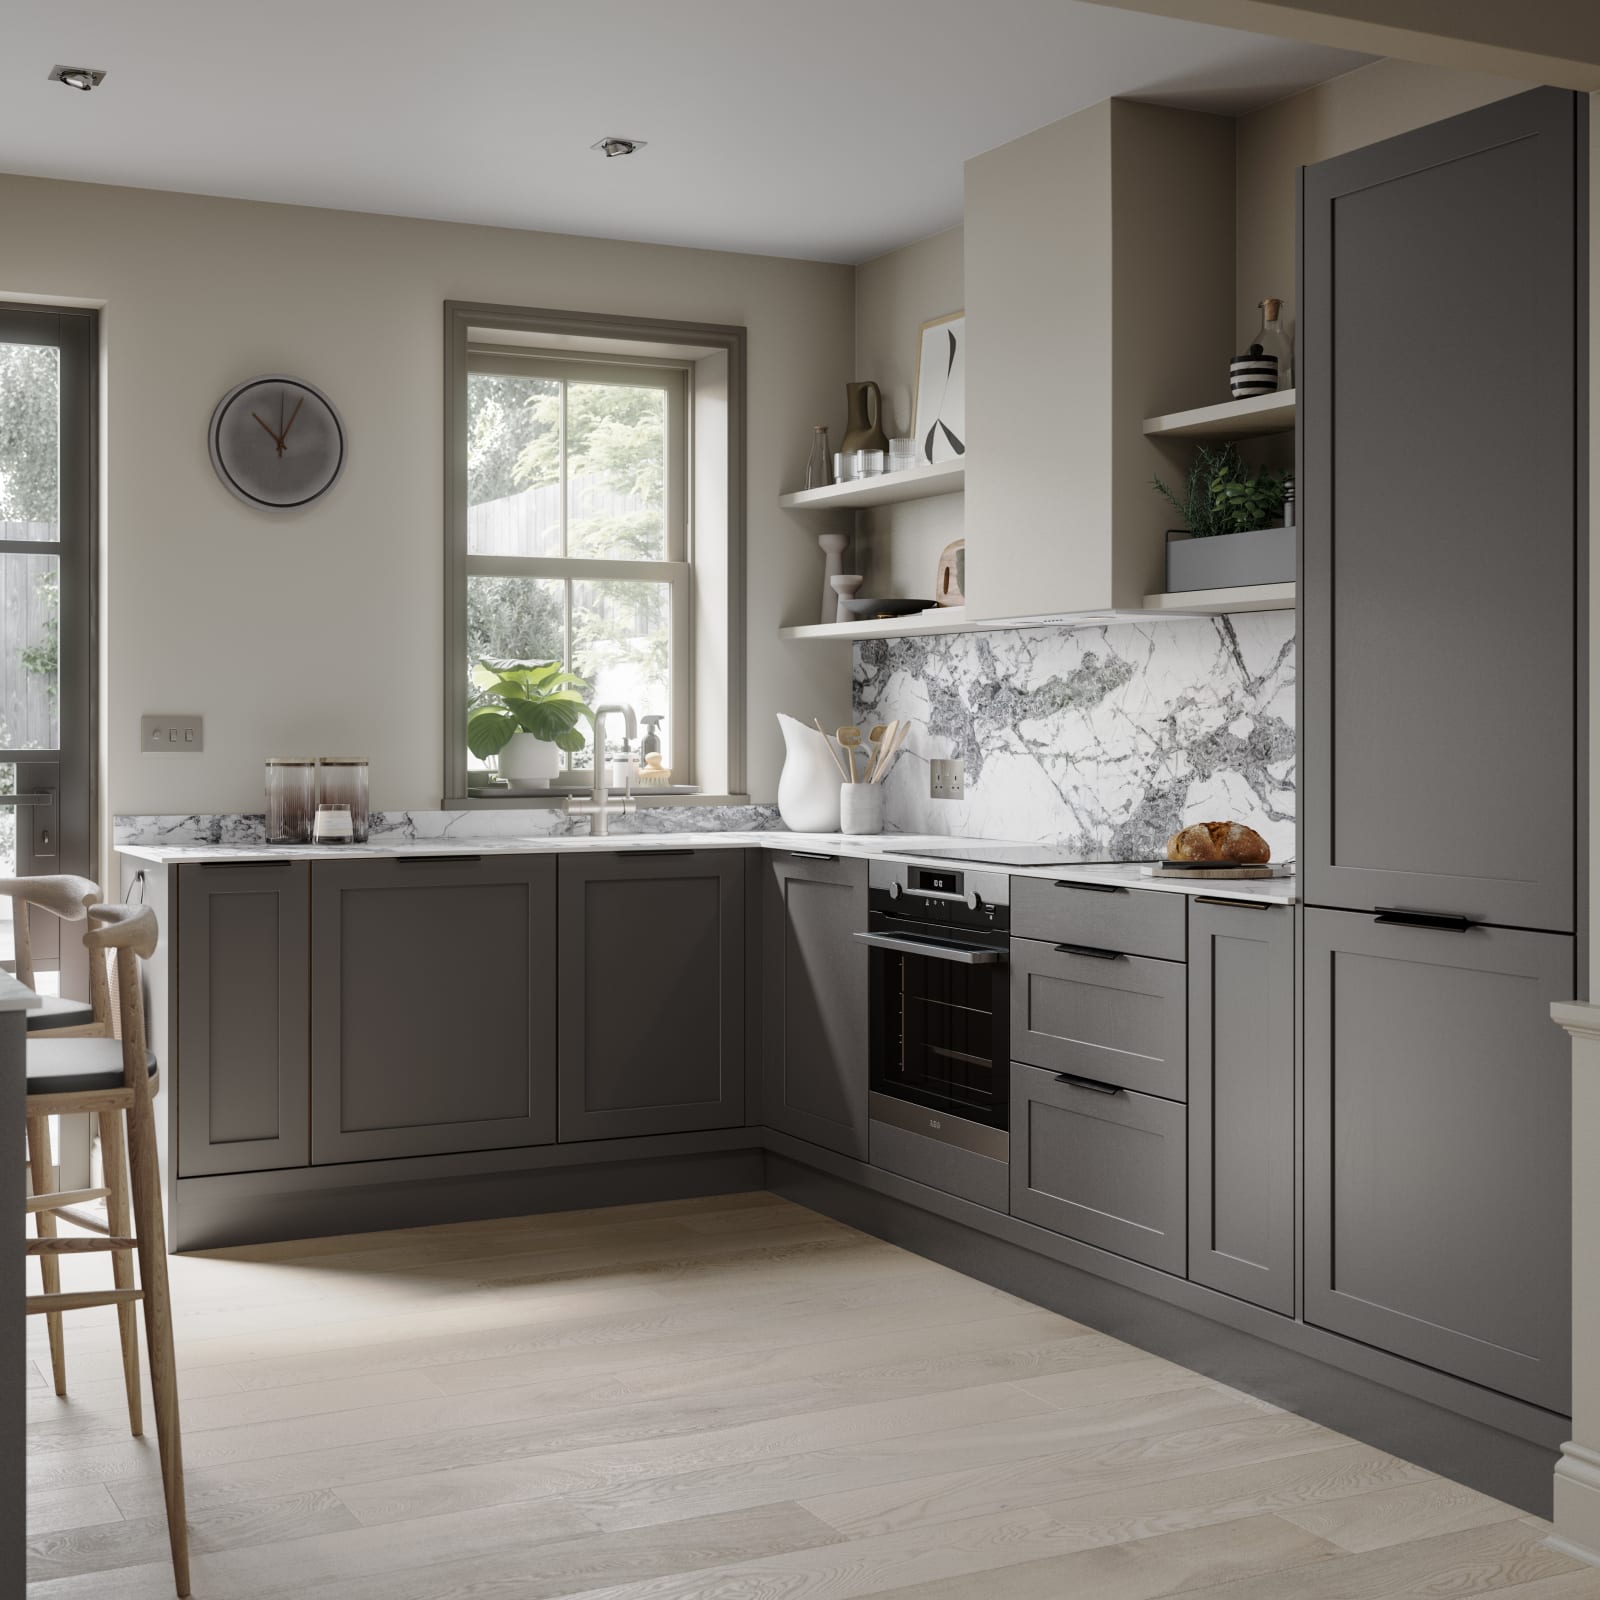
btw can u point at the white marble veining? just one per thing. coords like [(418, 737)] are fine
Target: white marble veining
[(1104, 739), (888, 846)]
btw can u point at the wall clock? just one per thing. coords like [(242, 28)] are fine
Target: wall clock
[(277, 442)]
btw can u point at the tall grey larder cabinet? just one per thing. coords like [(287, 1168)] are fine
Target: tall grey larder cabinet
[(1441, 421)]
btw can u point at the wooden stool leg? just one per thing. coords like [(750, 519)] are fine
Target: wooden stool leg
[(144, 1164), (114, 1158), (43, 1174)]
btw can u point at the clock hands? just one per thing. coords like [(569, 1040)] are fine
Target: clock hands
[(280, 438), (270, 434)]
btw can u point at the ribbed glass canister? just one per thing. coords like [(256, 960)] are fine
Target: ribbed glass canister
[(291, 799), (342, 781)]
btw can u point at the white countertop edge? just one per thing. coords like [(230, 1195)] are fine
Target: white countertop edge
[(1273, 891), (16, 996)]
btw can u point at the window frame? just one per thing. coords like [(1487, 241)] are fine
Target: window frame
[(471, 330), (676, 568)]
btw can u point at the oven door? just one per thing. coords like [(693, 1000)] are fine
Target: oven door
[(940, 1018)]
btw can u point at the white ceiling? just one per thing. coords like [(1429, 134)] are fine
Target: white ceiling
[(830, 129)]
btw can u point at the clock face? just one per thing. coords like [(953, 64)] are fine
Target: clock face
[(277, 443)]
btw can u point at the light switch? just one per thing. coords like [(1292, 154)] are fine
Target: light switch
[(172, 733)]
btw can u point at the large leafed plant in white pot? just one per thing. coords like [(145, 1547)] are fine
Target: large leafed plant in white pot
[(523, 715)]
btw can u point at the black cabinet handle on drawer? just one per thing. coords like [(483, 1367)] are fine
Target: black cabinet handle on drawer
[(1228, 905), (1087, 1083), (1092, 888), (1392, 916), (811, 855), (1093, 951), (435, 861), (656, 853)]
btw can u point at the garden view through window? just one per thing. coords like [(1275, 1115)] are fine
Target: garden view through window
[(577, 538)]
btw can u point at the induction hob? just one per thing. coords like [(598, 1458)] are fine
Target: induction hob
[(1008, 855)]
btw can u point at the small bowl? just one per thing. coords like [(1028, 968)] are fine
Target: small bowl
[(865, 609)]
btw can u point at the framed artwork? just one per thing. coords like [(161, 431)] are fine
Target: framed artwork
[(940, 407)]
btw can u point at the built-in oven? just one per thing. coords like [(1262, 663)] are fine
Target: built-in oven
[(940, 1018)]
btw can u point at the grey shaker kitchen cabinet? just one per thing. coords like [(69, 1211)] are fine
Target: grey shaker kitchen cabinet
[(652, 969), (814, 1000), (433, 1005), (1438, 643), (242, 1048), (1437, 1147), (1099, 1164), (1242, 1100)]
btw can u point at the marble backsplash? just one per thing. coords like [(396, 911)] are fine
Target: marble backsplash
[(244, 827), (1103, 739)]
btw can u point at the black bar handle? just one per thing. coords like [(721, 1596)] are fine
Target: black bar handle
[(258, 861), (435, 861), (811, 855), (1093, 951), (1228, 905), (1444, 922), (656, 853), (1091, 1084), (1092, 888)]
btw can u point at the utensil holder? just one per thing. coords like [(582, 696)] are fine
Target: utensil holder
[(860, 808)]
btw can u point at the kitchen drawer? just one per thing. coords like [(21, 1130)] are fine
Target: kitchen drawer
[(1118, 1019), (1137, 922), (1108, 1167)]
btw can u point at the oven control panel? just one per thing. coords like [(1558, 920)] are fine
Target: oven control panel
[(953, 896)]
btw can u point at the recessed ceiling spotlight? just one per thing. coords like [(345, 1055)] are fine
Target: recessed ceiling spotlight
[(618, 147), (84, 78)]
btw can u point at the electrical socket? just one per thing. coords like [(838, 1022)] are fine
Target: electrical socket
[(947, 780), (172, 734)]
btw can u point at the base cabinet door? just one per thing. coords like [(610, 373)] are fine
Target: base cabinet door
[(814, 1019), (1438, 1209), (243, 965), (652, 970), (1100, 1164), (433, 1004), (1242, 1101)]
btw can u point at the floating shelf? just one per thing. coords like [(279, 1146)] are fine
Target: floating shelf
[(947, 619), (887, 489), (1233, 419), (1219, 602)]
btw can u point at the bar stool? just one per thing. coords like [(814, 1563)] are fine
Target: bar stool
[(69, 898), (117, 1081)]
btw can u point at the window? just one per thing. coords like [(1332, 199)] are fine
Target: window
[(594, 492), (577, 529)]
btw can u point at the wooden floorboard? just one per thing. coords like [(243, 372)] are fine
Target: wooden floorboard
[(723, 1397)]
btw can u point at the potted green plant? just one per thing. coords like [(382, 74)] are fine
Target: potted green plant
[(523, 714), (1234, 518)]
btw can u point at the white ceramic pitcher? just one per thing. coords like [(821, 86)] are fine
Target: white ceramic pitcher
[(808, 789)]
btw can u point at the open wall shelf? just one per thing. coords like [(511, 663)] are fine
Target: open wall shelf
[(887, 489), (1233, 419)]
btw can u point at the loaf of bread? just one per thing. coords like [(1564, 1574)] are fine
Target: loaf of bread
[(1219, 841)]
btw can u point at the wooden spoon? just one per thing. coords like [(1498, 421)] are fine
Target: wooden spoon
[(875, 738), (850, 739)]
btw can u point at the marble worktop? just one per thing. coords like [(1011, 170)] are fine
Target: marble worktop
[(16, 996), (890, 846)]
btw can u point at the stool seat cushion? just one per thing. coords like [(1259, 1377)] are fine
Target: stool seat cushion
[(77, 1066), (60, 1012)]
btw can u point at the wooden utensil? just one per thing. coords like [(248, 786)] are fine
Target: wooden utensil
[(816, 722), (850, 740), (891, 749), (875, 737)]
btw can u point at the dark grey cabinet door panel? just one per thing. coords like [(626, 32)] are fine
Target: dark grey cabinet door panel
[(814, 1001), (652, 993), (1137, 922), (243, 1049), (433, 1005), (1103, 1167), (1437, 1151), (1116, 1018), (1241, 1101), (1438, 579)]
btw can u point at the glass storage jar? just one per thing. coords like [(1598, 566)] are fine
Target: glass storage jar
[(342, 781), (291, 799)]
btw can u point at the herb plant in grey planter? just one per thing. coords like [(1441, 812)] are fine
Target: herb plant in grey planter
[(1233, 519)]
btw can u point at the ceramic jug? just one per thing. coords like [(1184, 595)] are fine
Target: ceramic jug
[(863, 428), (808, 788)]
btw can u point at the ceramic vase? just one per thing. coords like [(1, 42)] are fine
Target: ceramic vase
[(863, 429), (845, 586), (808, 789), (860, 808), (832, 566), (529, 762)]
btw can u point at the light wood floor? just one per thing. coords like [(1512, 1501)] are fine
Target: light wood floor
[(725, 1399)]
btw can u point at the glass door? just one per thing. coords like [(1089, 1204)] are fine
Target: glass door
[(47, 405)]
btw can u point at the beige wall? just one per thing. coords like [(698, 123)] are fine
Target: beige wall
[(897, 547), (321, 632), (1373, 102)]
